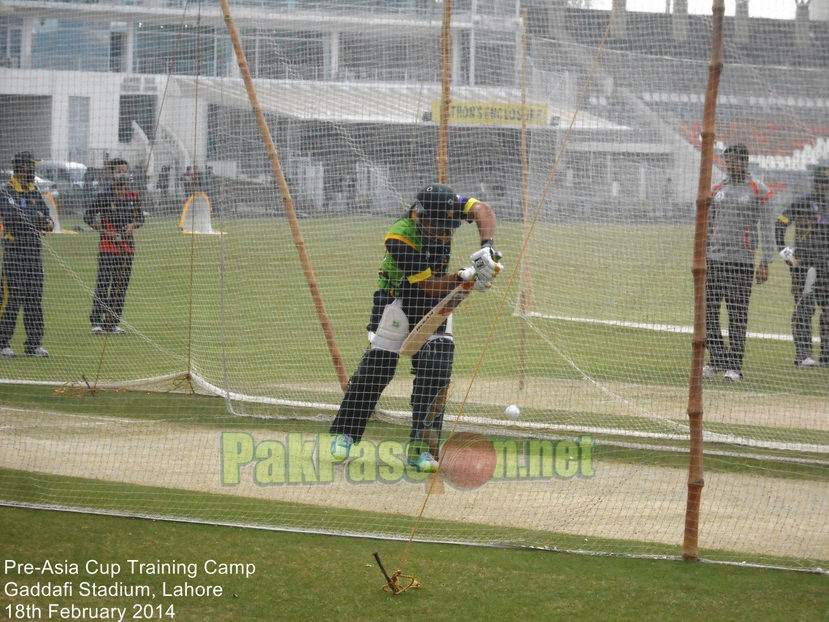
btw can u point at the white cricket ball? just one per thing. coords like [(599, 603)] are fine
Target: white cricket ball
[(512, 412)]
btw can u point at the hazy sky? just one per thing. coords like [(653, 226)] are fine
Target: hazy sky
[(777, 9)]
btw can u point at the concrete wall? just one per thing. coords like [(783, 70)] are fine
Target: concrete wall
[(34, 109)]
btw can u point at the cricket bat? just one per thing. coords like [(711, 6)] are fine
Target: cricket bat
[(436, 316), (811, 276), (808, 285)]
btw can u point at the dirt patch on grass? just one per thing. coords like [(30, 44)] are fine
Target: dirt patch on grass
[(742, 513), (661, 405)]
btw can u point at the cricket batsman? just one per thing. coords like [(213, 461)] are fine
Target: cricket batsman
[(412, 279)]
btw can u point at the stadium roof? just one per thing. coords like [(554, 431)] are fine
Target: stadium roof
[(652, 34), (346, 102)]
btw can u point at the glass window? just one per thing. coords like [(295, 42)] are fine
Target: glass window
[(393, 58), (285, 55), (70, 45), (10, 38), (116, 51), (177, 49), (290, 55), (138, 108), (494, 58)]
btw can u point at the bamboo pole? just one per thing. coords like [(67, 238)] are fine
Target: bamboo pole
[(690, 545), (525, 295), (286, 198), (445, 95)]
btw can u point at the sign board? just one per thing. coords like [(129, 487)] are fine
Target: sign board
[(491, 113)]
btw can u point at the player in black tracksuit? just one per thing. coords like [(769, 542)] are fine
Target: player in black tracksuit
[(810, 216), (413, 278), (115, 213), (25, 216)]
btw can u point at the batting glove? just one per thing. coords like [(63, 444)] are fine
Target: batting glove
[(485, 263), (787, 255), (472, 280)]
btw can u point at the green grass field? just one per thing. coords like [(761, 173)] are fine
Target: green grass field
[(198, 302), (315, 577)]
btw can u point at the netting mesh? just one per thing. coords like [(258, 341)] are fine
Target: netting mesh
[(589, 334)]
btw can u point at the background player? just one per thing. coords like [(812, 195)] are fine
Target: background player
[(25, 218), (739, 208), (115, 213), (810, 216)]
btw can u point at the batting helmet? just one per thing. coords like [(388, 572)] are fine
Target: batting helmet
[(439, 203)]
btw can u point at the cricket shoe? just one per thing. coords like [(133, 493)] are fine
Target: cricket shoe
[(426, 463), (97, 330), (38, 352), (807, 362), (7, 353), (341, 446), (116, 330), (733, 376)]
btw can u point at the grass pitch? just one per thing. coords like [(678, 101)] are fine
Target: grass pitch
[(314, 577)]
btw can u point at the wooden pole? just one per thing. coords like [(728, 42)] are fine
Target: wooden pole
[(445, 95), (525, 295), (286, 198), (690, 545)]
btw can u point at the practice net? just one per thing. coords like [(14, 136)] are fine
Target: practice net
[(583, 135)]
